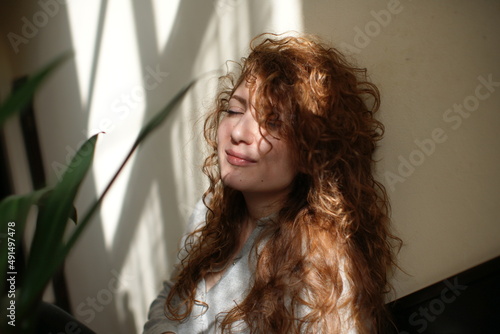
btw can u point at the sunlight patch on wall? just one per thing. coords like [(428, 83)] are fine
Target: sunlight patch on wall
[(143, 264), (287, 16), (83, 20), (165, 13), (117, 107), (186, 145)]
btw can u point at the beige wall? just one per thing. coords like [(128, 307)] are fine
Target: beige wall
[(428, 58), (436, 63)]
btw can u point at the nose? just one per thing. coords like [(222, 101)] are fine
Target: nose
[(245, 129)]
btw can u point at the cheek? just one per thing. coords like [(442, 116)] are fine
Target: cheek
[(283, 159), (289, 169), (223, 139), (219, 131), (222, 133), (266, 147)]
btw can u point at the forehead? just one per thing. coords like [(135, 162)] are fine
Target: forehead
[(242, 93)]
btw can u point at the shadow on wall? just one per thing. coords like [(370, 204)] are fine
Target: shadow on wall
[(105, 296), (135, 251), (35, 34), (153, 172), (153, 168)]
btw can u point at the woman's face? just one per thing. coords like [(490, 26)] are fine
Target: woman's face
[(251, 160)]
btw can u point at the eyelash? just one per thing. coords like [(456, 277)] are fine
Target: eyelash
[(232, 112)]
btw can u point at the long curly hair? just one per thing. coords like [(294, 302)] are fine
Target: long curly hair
[(325, 257)]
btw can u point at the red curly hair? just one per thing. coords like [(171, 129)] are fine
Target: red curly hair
[(329, 248)]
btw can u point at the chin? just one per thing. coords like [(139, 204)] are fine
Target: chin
[(236, 185), (232, 185)]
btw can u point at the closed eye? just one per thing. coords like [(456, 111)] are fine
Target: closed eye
[(230, 112)]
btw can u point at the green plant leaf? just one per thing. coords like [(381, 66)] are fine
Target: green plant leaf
[(16, 101), (147, 129), (48, 249), (14, 211), (41, 203), (53, 215)]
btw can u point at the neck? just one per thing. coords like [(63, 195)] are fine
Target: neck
[(260, 206)]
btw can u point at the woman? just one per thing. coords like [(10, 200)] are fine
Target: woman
[(295, 234)]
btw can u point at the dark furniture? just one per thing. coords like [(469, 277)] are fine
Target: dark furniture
[(467, 303)]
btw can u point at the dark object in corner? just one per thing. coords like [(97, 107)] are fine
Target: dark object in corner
[(468, 302), (54, 320)]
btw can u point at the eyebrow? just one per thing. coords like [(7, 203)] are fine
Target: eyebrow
[(239, 99)]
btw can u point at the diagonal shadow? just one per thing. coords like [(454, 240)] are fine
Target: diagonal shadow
[(177, 59), (97, 50), (67, 121)]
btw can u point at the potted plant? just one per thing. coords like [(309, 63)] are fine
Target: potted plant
[(49, 247)]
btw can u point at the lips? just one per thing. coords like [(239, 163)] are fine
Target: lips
[(239, 159)]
